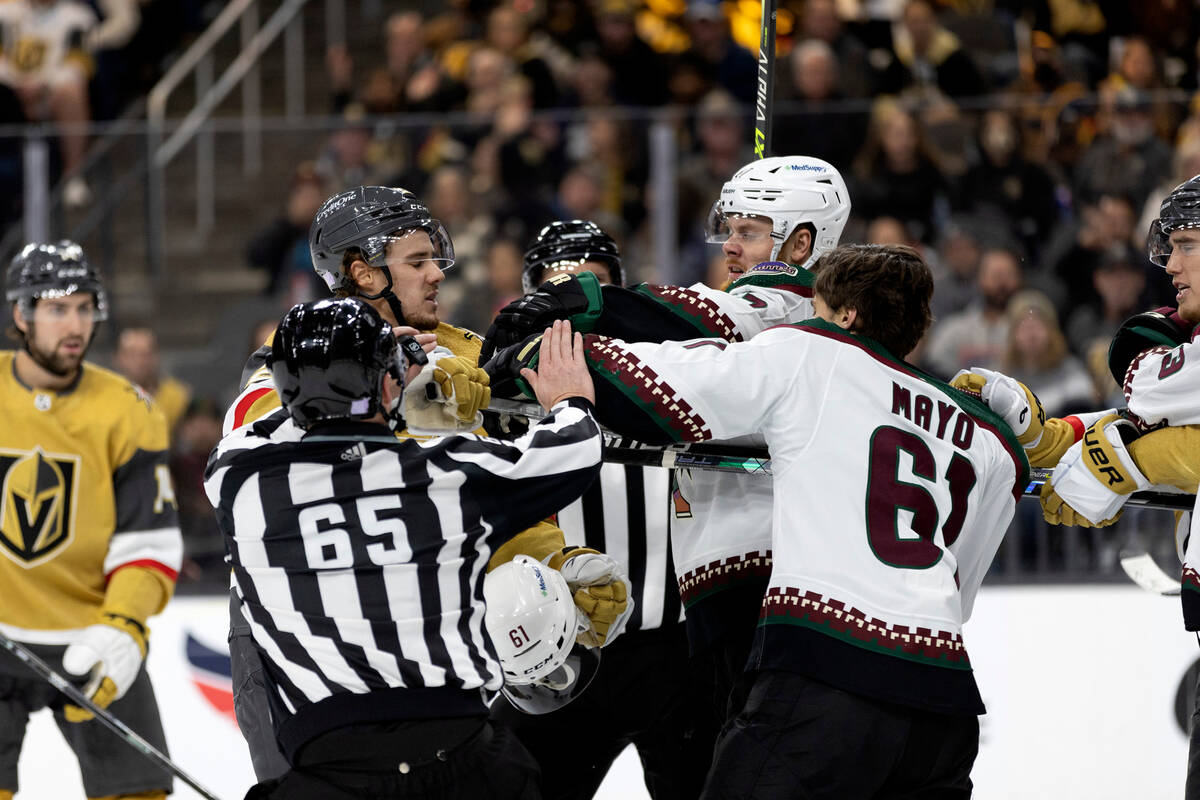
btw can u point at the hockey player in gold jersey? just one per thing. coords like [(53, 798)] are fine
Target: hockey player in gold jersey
[(381, 244), (89, 538)]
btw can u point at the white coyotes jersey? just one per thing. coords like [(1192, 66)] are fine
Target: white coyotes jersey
[(892, 490), (1162, 385), (721, 521)]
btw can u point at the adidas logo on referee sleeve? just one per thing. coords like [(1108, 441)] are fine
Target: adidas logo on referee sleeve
[(354, 453)]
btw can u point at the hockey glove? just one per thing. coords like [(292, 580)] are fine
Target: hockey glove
[(1010, 399), (1095, 477), (565, 296), (447, 395), (1162, 327), (601, 591), (111, 653), (504, 369)]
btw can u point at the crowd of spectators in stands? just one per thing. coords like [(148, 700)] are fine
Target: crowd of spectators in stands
[(1022, 145), (1018, 144), (71, 62)]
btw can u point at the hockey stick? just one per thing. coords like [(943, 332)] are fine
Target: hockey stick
[(757, 461), (115, 725), (1146, 573), (766, 82)]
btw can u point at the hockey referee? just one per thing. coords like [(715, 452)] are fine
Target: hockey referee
[(359, 561)]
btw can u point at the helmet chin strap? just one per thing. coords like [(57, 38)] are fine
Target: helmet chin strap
[(394, 304)]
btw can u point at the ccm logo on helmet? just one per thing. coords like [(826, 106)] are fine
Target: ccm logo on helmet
[(1096, 453)]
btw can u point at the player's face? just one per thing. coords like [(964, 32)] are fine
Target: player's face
[(600, 270), (1183, 267), (749, 243), (415, 278), (59, 333)]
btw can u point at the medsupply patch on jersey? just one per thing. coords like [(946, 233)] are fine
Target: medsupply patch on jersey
[(84, 492)]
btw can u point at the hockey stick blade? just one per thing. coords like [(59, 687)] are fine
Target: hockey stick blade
[(1143, 571), (77, 697)]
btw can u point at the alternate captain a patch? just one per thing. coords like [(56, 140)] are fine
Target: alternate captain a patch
[(37, 504)]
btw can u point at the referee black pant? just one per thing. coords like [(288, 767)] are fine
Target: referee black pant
[(801, 739), (438, 759), (642, 695)]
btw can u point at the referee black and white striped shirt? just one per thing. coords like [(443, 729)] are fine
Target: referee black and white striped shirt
[(626, 515), (359, 557)]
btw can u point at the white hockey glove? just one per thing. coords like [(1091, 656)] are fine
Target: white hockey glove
[(1010, 399), (1094, 478), (600, 590), (111, 653), (446, 396)]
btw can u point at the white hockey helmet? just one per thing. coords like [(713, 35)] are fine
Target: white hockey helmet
[(532, 621), (789, 191)]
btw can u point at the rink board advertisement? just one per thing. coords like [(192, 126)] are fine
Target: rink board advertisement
[(1081, 685)]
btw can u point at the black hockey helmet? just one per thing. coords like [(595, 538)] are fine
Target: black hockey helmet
[(53, 270), (368, 218), (328, 359), (1180, 210), (569, 242)]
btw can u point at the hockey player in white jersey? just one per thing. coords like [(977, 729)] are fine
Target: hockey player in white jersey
[(1100, 459), (645, 694), (893, 492), (774, 218)]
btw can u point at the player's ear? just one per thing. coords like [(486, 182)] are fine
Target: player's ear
[(845, 318), (19, 320), (800, 244), (362, 274)]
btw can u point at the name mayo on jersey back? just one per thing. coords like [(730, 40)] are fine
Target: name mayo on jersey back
[(892, 491), (84, 489), (910, 487)]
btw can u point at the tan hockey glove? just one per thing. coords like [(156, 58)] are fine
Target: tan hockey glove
[(1095, 477), (447, 395), (600, 589), (1010, 399)]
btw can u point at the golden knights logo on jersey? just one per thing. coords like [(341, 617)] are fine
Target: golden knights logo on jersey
[(37, 504)]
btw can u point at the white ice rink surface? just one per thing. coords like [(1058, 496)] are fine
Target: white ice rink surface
[(1080, 684)]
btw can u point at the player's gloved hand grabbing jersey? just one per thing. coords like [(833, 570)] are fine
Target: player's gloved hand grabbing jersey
[(600, 590), (1010, 399), (1044, 440), (565, 296), (504, 369), (1095, 477), (447, 395), (112, 653)]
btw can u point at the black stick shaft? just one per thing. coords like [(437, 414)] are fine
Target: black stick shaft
[(757, 461), (766, 82), (112, 723)]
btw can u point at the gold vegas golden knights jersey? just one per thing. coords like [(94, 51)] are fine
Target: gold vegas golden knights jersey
[(84, 492)]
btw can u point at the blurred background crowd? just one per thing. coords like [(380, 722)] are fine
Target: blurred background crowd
[(1022, 145)]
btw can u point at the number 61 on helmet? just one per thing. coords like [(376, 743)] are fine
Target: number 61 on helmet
[(532, 621)]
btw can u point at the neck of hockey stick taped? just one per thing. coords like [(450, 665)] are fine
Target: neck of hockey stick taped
[(46, 672), (766, 81)]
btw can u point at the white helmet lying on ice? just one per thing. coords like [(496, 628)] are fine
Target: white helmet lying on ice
[(788, 191), (532, 621)]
